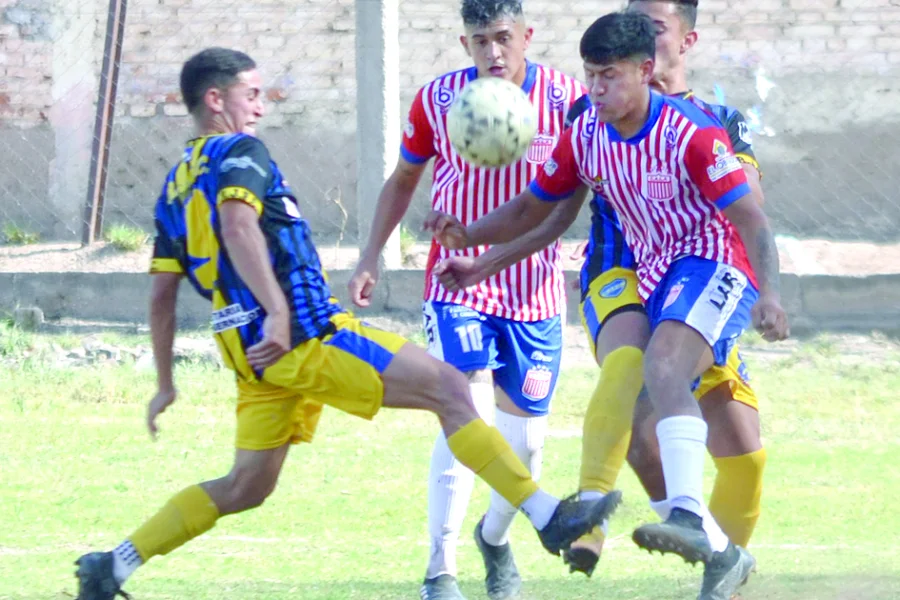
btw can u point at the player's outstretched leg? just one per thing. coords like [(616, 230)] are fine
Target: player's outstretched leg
[(416, 380), (619, 345), (188, 514)]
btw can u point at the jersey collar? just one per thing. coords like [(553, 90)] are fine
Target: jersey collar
[(656, 105), (527, 85)]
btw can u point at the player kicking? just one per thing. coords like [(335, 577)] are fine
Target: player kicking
[(616, 323), (668, 170), (506, 332), (227, 221)]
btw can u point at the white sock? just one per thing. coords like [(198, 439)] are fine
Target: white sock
[(450, 486), (539, 508), (526, 437), (661, 508), (126, 560), (682, 447)]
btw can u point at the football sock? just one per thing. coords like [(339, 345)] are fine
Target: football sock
[(450, 485), (126, 560), (483, 449), (737, 493), (188, 514), (607, 422), (526, 437), (682, 445)]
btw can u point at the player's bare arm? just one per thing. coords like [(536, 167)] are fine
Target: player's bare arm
[(249, 254), (753, 180), (163, 300), (393, 202), (460, 272), (516, 218), (753, 226)]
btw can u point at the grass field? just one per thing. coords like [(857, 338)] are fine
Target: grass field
[(79, 472)]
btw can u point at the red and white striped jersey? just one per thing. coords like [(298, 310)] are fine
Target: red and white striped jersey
[(533, 289), (668, 184)]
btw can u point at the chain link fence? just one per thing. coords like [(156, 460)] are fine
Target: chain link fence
[(818, 81)]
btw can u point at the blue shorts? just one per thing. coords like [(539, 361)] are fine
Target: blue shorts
[(524, 356), (710, 297)]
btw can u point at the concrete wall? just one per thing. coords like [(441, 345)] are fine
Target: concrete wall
[(814, 303), (830, 168)]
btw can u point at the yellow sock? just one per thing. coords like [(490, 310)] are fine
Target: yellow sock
[(736, 495), (488, 455), (608, 420), (188, 514)]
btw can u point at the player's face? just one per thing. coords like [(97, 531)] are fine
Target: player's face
[(673, 38), (498, 49), (239, 108), (617, 88)]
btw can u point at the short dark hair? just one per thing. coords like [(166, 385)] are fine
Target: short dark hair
[(619, 36), (478, 13), (687, 11), (213, 67)]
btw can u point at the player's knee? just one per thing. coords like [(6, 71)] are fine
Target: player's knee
[(451, 393), (249, 488)]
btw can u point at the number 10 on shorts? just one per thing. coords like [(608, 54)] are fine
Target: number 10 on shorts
[(470, 337)]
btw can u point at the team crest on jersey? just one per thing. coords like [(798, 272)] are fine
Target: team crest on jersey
[(443, 98), (537, 383), (589, 129), (671, 137), (599, 184), (726, 162), (541, 149), (660, 185), (557, 95)]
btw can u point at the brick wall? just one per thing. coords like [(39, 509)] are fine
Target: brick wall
[(306, 52)]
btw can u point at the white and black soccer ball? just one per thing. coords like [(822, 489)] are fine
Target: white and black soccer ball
[(492, 122)]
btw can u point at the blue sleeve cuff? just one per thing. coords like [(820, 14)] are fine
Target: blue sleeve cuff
[(411, 157), (733, 196), (545, 196)]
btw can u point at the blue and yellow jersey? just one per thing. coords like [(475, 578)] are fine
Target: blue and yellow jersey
[(237, 167)]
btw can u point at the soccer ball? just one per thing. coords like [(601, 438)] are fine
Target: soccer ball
[(492, 122)]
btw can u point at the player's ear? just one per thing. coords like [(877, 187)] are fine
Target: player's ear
[(214, 99), (528, 33), (689, 40), (646, 69), (465, 44)]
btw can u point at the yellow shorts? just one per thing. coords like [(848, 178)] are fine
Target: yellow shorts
[(342, 369), (617, 289), (734, 373), (610, 292)]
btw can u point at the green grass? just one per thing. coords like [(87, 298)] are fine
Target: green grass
[(125, 238), (348, 520), (17, 236)]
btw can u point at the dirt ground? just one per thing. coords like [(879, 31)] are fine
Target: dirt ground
[(803, 257)]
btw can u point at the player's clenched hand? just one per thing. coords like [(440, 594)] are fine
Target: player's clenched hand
[(447, 230), (459, 272), (362, 283), (161, 401), (770, 319), (276, 342)]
